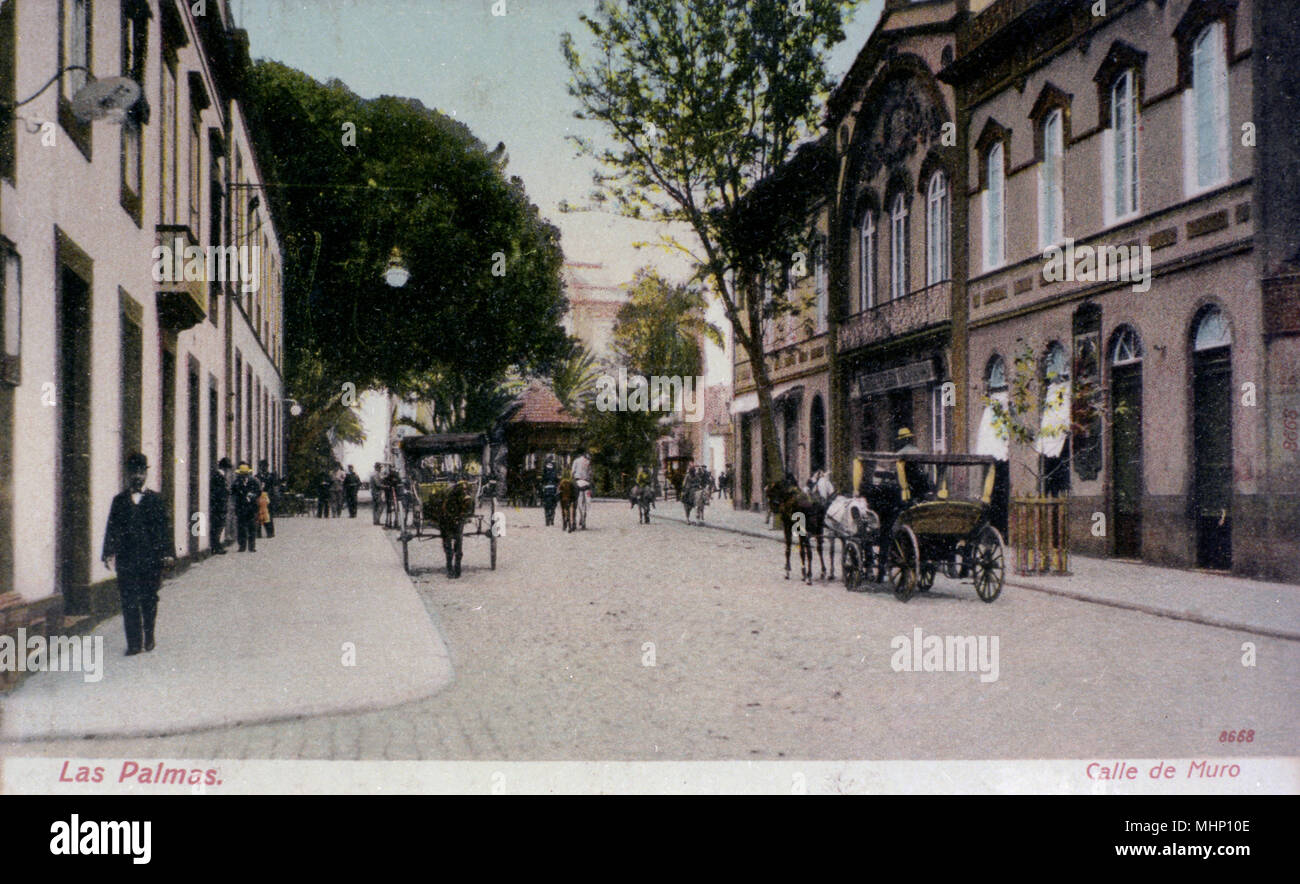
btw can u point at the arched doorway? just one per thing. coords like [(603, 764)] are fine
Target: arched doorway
[(1126, 441), (817, 434), (1212, 438)]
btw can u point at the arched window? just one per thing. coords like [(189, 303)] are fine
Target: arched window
[(994, 246), (1050, 186), (1126, 347), (1206, 110), (1122, 147), (995, 374), (1054, 426), (1056, 367), (867, 261), (1212, 331), (898, 248), (937, 236)]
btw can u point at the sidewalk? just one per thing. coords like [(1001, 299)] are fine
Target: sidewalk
[(254, 637), (1255, 606)]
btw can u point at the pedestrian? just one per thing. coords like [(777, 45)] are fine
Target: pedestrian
[(246, 491), (218, 498), (263, 510), (336, 489), (377, 491), (137, 545), (351, 484), (392, 488), (324, 484), (271, 486)]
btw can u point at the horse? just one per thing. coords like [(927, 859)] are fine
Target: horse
[(695, 497), (450, 508), (643, 496), (789, 503), (568, 504)]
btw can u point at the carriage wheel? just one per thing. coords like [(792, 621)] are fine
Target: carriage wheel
[(901, 561), (989, 564), (492, 550), (853, 570), (926, 579)]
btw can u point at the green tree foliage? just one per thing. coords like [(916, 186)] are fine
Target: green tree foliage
[(421, 182), (574, 377), (620, 442), (660, 329), (327, 419), (702, 100)]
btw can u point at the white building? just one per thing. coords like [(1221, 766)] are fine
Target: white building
[(103, 354)]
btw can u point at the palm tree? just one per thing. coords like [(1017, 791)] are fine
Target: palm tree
[(574, 378)]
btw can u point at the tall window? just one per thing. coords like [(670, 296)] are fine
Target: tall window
[(1122, 167), (168, 151), (1050, 184), (994, 246), (135, 41), (196, 177), (821, 287), (898, 248), (8, 130), (867, 262), (1206, 107), (938, 246), (938, 421), (76, 45)]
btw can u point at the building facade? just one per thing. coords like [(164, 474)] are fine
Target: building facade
[(130, 323), (1129, 243)]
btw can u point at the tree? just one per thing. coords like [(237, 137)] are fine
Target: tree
[(327, 419), (352, 179), (703, 100), (574, 377), (660, 329)]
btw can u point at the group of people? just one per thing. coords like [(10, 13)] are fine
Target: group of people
[(387, 488), (579, 471), (241, 503), (336, 489)]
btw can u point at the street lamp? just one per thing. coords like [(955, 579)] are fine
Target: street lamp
[(109, 99), (396, 273), (295, 408)]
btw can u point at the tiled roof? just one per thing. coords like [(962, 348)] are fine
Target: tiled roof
[(538, 404)]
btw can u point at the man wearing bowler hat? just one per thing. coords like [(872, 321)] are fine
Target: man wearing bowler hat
[(137, 544)]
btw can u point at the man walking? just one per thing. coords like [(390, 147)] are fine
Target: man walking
[(137, 545), (351, 484), (270, 484), (324, 485), (377, 491), (246, 490), (218, 498)]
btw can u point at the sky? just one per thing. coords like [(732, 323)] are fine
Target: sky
[(502, 75)]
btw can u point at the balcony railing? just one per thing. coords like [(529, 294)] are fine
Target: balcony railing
[(182, 303), (919, 310)]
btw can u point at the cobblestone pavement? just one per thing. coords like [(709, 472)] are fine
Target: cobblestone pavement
[(628, 642)]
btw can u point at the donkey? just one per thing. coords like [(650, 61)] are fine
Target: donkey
[(643, 497), (800, 514)]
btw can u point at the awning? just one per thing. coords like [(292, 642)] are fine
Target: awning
[(993, 439), (1056, 420), (745, 402)]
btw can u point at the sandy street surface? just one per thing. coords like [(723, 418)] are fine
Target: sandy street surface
[(628, 642)]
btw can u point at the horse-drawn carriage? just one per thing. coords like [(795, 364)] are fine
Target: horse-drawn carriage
[(927, 518), (451, 475)]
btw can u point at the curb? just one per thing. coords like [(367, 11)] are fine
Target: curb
[(1183, 616)]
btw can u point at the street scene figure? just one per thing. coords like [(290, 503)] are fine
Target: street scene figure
[(270, 483), (137, 545), (550, 483), (581, 470), (351, 485), (218, 500), (376, 485), (324, 490), (246, 490)]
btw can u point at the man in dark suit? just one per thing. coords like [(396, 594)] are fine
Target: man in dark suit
[(137, 544), (218, 500), (246, 489)]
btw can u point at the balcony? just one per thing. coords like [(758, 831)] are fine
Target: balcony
[(922, 309), (182, 303)]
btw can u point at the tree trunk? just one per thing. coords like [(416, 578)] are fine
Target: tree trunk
[(773, 469)]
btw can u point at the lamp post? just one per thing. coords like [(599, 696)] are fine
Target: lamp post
[(396, 274)]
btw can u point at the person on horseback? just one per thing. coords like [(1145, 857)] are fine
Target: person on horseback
[(550, 482)]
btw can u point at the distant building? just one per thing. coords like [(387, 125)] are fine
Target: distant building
[(593, 308)]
